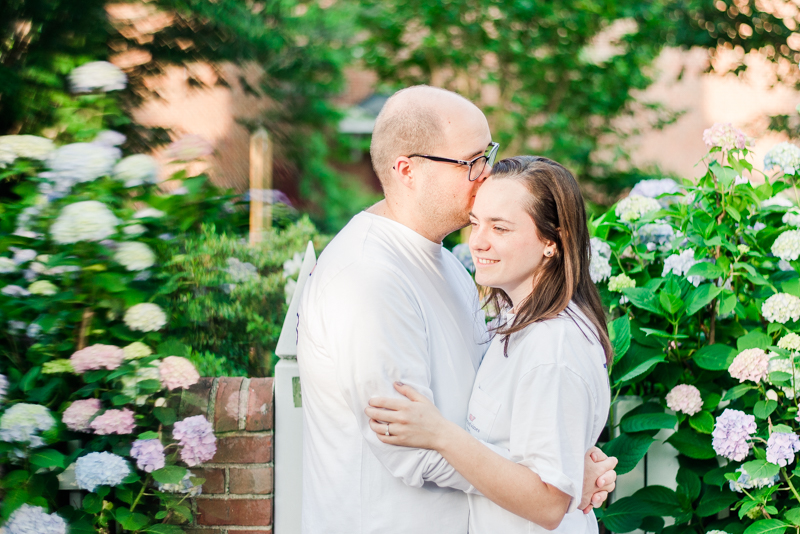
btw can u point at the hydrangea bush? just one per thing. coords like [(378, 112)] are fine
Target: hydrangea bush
[(95, 331), (705, 324)]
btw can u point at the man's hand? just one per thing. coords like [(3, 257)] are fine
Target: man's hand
[(599, 479)]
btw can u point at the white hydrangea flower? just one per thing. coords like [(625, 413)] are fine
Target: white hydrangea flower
[(289, 289), (787, 246), (241, 271), (784, 365), (136, 350), (89, 220), (27, 146), (634, 207), (134, 229), (7, 157), (679, 264), (100, 75), (783, 155), (23, 255), (148, 213), (620, 282), (600, 260), (291, 267), (15, 291), (138, 169), (792, 217), (778, 200), (134, 256), (43, 287), (655, 234), (81, 162), (781, 308), (130, 382), (7, 265), (145, 317), (23, 423), (790, 341), (109, 138)]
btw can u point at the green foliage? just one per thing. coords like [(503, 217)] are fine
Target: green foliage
[(234, 322), (705, 263)]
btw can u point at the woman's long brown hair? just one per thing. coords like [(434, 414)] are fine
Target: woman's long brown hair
[(556, 206)]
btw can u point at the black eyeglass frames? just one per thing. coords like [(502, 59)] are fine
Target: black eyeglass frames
[(476, 166)]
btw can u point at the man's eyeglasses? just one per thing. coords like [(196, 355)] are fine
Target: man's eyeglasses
[(476, 166)]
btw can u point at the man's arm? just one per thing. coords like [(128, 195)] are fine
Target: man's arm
[(376, 334)]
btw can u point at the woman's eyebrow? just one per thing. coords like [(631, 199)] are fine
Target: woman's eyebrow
[(500, 219)]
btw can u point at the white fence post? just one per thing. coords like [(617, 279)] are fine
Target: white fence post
[(289, 415)]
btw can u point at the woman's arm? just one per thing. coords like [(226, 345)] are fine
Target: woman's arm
[(510, 485)]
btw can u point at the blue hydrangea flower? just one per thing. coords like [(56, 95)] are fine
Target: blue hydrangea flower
[(3, 387), (100, 469), (29, 519), (731, 434), (22, 423), (462, 254)]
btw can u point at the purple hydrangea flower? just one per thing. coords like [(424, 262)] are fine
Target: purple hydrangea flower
[(197, 440), (781, 448), (731, 432), (149, 454), (462, 254)]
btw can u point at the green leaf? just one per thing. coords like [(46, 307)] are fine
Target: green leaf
[(767, 526), (793, 515), (714, 500), (166, 415), (727, 303), (48, 458), (692, 444), (700, 297), (754, 340), (706, 270), (781, 428), (131, 521), (737, 391), (148, 435), (14, 479), (120, 400), (716, 477), (92, 503), (624, 515), (763, 409), (648, 421), (643, 298), (149, 386), (671, 303), (715, 357), (760, 469), (688, 484), (659, 500), (171, 474), (111, 282), (636, 363), (702, 422), (629, 450), (619, 333), (172, 347), (161, 528)]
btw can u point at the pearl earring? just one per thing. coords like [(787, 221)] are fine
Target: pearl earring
[(548, 253)]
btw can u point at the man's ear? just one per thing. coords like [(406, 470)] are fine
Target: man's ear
[(403, 171)]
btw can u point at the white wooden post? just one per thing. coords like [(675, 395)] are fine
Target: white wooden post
[(289, 415)]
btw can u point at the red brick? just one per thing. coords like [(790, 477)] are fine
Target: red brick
[(244, 512), (203, 531), (215, 479), (256, 480), (259, 404), (244, 450), (194, 401), (226, 410)]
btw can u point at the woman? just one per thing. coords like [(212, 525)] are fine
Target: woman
[(542, 388)]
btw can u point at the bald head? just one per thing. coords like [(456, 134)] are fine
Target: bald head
[(414, 120)]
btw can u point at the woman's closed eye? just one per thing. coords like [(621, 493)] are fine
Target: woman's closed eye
[(500, 229)]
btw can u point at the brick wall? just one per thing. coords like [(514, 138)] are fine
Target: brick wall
[(237, 494)]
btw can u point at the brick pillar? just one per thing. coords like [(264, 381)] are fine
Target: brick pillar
[(237, 493)]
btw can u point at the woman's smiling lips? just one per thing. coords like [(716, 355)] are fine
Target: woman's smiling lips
[(485, 261)]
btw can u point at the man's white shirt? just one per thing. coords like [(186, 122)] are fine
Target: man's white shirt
[(383, 304)]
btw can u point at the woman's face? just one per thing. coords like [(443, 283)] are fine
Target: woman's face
[(504, 244)]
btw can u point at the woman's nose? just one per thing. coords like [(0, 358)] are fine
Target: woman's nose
[(477, 239)]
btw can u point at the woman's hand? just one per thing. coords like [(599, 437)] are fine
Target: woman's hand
[(411, 422)]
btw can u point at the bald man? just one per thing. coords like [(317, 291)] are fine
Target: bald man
[(386, 302)]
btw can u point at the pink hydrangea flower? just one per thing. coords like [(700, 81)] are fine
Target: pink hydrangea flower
[(197, 440), (750, 364), (724, 136), (685, 398), (114, 422), (731, 435), (79, 413), (97, 357), (177, 373), (149, 454)]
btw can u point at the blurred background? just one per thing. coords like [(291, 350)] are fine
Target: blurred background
[(221, 93), (617, 90)]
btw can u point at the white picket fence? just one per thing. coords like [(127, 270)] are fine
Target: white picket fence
[(659, 467)]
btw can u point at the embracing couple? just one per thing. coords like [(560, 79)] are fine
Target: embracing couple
[(418, 416)]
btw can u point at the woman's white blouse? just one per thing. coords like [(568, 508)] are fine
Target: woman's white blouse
[(547, 402)]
